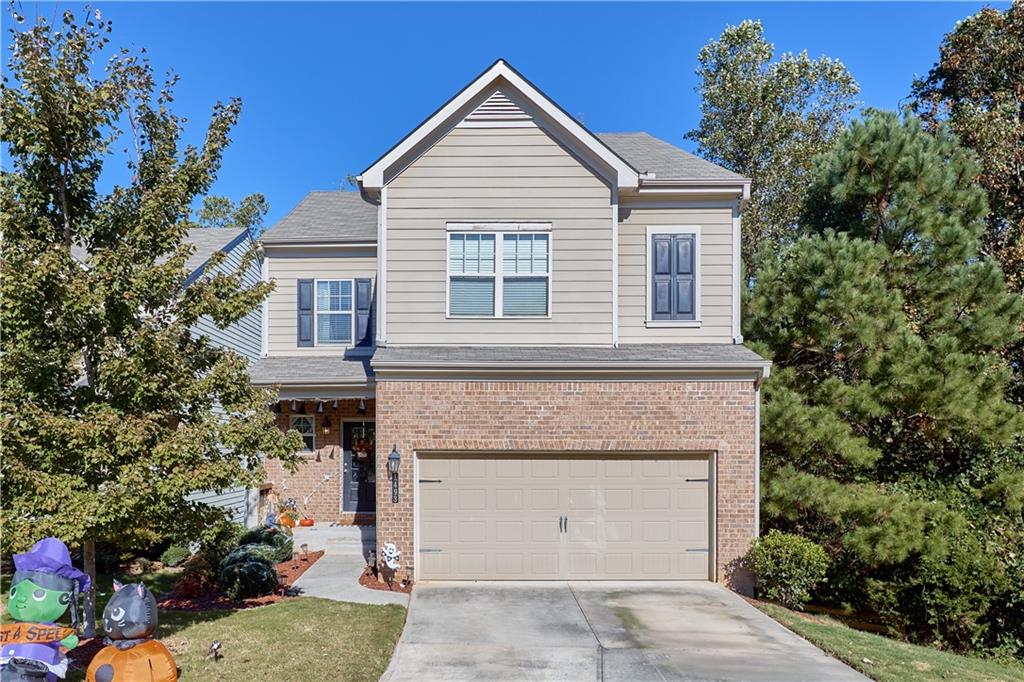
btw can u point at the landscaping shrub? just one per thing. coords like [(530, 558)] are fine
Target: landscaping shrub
[(175, 555), (248, 578), (787, 567), (249, 552), (282, 543)]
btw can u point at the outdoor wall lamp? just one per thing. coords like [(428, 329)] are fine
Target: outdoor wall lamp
[(325, 425), (393, 459)]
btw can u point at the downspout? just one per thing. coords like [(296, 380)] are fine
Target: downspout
[(615, 267)]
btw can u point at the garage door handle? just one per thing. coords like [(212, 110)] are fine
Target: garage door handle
[(561, 524), (696, 480)]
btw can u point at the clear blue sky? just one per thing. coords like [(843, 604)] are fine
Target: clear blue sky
[(328, 87)]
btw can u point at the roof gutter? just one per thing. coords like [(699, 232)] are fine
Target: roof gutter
[(739, 186), (758, 370), (319, 243)]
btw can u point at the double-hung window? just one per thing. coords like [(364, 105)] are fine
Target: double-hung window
[(334, 312), (673, 276), (499, 274), (305, 424)]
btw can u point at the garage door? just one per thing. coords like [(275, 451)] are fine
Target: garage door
[(484, 517)]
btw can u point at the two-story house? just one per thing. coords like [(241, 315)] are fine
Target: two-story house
[(537, 328)]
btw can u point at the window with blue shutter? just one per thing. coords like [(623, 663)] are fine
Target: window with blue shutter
[(673, 277), (334, 311)]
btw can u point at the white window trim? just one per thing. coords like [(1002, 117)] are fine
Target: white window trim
[(499, 230), (694, 230), (291, 423), (316, 314)]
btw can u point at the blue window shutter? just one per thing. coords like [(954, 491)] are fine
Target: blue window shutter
[(304, 308), (673, 277), (683, 307), (662, 277), (364, 301)]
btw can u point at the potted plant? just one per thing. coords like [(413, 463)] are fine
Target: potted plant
[(287, 515)]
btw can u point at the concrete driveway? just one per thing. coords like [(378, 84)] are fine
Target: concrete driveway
[(598, 631)]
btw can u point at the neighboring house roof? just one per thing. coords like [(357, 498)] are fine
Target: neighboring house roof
[(310, 370), (207, 240), (326, 217), (665, 161), (210, 240), (478, 89), (624, 357)]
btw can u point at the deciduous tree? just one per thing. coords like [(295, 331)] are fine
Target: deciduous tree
[(107, 400), (766, 119)]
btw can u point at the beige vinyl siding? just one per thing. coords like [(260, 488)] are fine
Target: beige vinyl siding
[(715, 282), (286, 267), (498, 175)]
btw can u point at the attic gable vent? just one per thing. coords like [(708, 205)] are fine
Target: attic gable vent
[(498, 109)]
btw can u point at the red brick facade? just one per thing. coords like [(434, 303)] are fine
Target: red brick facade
[(326, 460), (552, 416)]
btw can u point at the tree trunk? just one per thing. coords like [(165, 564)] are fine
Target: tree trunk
[(89, 565)]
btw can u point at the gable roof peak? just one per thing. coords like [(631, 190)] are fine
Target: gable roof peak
[(622, 173)]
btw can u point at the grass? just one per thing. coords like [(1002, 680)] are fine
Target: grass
[(890, 660), (299, 639)]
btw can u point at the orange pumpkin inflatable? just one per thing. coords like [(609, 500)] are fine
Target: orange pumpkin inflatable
[(146, 662), (133, 655)]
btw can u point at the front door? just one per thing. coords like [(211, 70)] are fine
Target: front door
[(360, 471)]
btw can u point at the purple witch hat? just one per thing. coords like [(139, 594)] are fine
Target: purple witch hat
[(51, 557)]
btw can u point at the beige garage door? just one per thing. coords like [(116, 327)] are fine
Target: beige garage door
[(585, 517)]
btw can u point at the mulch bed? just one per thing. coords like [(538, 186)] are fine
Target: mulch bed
[(369, 580), (288, 572)]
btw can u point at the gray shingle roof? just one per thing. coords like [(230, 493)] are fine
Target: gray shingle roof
[(331, 216), (680, 354), (311, 370), (208, 241), (648, 154)]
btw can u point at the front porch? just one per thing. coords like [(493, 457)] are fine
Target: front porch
[(335, 483)]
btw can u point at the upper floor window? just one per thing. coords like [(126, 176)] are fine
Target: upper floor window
[(305, 424), (673, 268), (479, 287), (334, 311)]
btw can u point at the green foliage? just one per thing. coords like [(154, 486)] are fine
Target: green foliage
[(887, 434), (249, 552), (976, 88), (767, 120), (248, 578), (787, 567), (282, 544), (175, 555), (221, 212), (107, 400)]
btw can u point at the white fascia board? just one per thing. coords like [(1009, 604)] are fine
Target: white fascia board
[(626, 175)]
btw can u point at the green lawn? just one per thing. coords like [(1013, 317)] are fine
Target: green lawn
[(299, 639), (890, 660)]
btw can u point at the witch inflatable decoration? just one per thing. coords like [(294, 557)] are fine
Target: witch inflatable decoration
[(44, 585), (132, 655)]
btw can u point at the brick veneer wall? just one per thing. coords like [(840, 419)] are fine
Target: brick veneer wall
[(325, 501), (619, 416)]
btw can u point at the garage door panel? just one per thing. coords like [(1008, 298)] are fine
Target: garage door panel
[(499, 517)]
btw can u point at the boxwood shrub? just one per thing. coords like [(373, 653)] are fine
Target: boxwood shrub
[(787, 567)]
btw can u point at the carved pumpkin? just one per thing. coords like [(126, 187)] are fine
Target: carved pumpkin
[(149, 661)]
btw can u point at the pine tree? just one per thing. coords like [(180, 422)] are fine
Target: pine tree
[(889, 394), (107, 400)]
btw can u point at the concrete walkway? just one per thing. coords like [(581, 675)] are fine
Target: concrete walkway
[(336, 575), (599, 631)]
